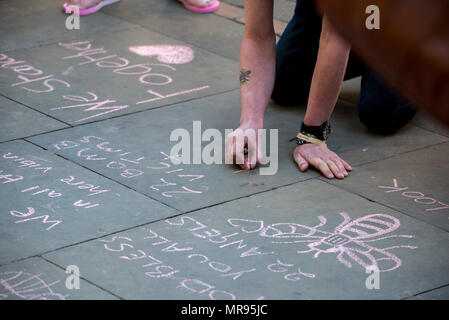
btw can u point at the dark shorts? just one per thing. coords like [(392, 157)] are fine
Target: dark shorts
[(379, 108)]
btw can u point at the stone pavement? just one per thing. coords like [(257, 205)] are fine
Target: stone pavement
[(85, 179)]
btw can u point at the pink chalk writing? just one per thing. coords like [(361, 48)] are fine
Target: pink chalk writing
[(220, 266), (173, 247), (350, 239), (30, 212), (92, 189), (171, 54), (418, 197), (27, 286), (175, 181), (283, 267), (201, 287), (215, 236), (144, 71), (26, 163), (41, 84), (158, 268), (155, 267), (159, 96), (34, 80), (49, 191), (91, 104), (35, 190), (8, 178)]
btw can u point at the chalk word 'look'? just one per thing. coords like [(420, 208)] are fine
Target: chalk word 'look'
[(418, 197)]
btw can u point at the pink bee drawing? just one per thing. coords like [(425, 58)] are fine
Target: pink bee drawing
[(19, 284), (350, 240)]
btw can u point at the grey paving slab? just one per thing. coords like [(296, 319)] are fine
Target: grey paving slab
[(283, 9), (425, 121), (18, 121), (140, 144), (27, 24), (48, 202), (211, 32), (306, 241), (238, 3), (351, 140), (415, 183), (145, 135), (37, 279), (96, 78), (437, 294), (357, 145)]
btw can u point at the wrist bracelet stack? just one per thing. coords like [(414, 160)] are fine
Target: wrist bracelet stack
[(314, 134)]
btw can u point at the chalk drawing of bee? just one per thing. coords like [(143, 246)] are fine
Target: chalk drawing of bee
[(350, 240), (19, 284)]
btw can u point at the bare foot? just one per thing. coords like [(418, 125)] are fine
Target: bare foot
[(83, 4)]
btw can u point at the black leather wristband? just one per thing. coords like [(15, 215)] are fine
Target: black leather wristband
[(313, 134), (321, 132)]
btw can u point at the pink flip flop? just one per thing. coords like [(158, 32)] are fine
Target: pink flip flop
[(207, 9), (85, 12)]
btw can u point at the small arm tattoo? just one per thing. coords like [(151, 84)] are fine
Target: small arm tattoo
[(244, 76)]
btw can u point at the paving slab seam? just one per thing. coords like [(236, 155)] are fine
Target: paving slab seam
[(152, 222), (31, 108), (239, 16), (235, 199), (181, 212), (112, 117), (429, 130), (100, 174), (176, 38), (271, 189), (81, 277), (403, 153), (89, 240), (382, 204), (41, 45), (155, 108), (185, 212), (427, 291)]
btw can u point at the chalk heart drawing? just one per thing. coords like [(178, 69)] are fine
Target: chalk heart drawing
[(19, 284), (165, 53), (350, 240)]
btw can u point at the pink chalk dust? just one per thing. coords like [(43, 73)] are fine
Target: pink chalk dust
[(171, 54)]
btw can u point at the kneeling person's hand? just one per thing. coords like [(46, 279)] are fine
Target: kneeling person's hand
[(323, 159)]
